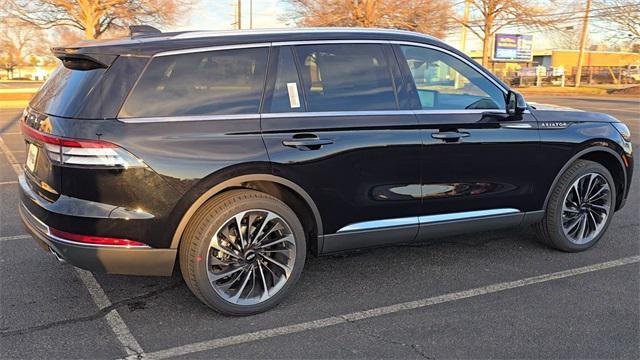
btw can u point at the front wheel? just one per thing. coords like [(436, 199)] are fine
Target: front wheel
[(242, 252), (580, 208)]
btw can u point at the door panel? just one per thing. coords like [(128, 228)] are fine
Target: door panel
[(368, 172), (351, 149), (492, 167), (474, 157)]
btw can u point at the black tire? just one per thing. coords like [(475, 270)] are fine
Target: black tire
[(549, 230), (211, 216)]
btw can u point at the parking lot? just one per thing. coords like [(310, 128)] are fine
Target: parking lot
[(494, 294)]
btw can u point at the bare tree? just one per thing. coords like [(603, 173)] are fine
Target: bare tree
[(18, 42), (565, 38), (94, 17), (426, 16), (490, 16), (624, 15)]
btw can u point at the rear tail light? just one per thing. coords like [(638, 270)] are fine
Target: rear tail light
[(95, 240), (68, 151)]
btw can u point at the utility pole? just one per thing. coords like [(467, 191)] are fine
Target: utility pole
[(239, 14), (250, 14), (583, 41), (465, 20), (463, 38)]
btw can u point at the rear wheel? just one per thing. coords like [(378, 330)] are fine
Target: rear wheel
[(580, 208), (242, 252)]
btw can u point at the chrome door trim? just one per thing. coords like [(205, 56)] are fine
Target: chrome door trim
[(426, 219), (379, 224), (430, 219)]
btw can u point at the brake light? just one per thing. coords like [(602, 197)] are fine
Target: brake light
[(69, 151), (95, 240)]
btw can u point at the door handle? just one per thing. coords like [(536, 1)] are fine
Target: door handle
[(450, 135), (306, 143)]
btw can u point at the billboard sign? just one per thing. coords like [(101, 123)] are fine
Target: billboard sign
[(513, 47)]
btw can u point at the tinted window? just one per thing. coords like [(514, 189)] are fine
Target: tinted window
[(346, 77), (65, 91), (287, 95), (217, 82), (445, 82)]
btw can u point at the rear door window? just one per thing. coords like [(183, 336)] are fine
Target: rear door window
[(222, 82), (346, 77)]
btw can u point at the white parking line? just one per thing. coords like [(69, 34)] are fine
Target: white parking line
[(14, 237), (113, 318), (380, 311), (12, 159), (8, 182), (115, 321)]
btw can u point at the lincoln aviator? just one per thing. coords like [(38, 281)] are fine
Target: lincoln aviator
[(235, 155)]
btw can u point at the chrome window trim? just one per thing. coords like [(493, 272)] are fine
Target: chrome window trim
[(395, 42), (451, 53), (328, 42), (156, 119), (426, 219), (209, 48), (337, 113)]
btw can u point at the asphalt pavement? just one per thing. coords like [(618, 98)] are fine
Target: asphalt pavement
[(488, 295)]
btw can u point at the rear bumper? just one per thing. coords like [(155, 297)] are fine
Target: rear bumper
[(100, 258)]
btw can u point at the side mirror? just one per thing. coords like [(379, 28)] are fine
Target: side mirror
[(516, 104)]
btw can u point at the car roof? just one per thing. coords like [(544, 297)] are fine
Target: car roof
[(147, 45)]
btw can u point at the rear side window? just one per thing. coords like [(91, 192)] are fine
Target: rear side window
[(65, 91), (346, 77), (220, 82), (286, 96)]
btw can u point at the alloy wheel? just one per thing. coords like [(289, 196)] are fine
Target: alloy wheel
[(251, 257), (585, 208)]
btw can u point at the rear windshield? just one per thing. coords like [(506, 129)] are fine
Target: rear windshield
[(65, 91), (88, 94)]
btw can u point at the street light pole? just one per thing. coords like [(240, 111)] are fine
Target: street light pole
[(583, 41)]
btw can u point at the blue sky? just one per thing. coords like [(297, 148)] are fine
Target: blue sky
[(219, 15)]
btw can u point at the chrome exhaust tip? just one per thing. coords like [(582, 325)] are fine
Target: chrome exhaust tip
[(55, 253)]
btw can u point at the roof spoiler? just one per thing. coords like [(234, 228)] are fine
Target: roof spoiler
[(141, 30), (73, 60)]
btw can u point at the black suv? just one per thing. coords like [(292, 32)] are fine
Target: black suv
[(237, 153)]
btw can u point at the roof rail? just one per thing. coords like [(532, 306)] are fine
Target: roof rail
[(140, 30)]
